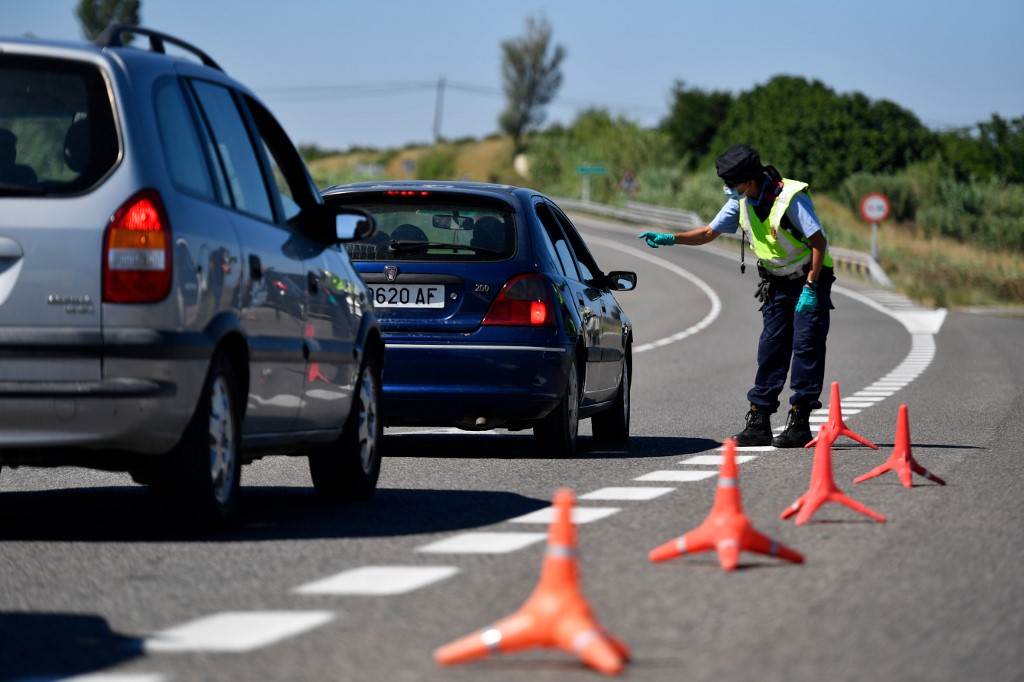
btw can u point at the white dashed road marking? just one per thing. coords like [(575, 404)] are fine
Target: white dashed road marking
[(235, 631), (244, 631), (579, 515), (483, 543), (379, 580), (676, 475), (715, 460), (632, 493)]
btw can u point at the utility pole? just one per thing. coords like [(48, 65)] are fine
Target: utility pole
[(438, 109)]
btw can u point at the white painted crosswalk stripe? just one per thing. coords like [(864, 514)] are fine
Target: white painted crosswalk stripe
[(379, 580), (236, 631)]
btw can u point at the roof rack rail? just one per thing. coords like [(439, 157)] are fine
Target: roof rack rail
[(111, 37)]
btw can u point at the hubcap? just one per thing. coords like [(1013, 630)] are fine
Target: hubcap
[(573, 397), (222, 442), (625, 392), (367, 421)]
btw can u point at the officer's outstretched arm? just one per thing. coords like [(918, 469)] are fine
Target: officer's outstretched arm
[(697, 236), (694, 237)]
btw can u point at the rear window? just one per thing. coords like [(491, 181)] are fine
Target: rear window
[(437, 232), (57, 132)]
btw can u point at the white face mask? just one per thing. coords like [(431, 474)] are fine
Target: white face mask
[(732, 193)]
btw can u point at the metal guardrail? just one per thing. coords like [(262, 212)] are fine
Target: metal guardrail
[(846, 260)]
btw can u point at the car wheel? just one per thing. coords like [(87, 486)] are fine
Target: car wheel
[(612, 425), (199, 480), (348, 468), (556, 433)]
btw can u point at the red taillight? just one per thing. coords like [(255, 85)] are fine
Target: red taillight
[(406, 193), (523, 301), (137, 252)]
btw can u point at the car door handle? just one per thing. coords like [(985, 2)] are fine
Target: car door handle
[(255, 268), (10, 249), (313, 282)]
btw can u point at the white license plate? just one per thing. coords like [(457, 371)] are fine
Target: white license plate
[(407, 295)]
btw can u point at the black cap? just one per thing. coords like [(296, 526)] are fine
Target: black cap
[(739, 164)]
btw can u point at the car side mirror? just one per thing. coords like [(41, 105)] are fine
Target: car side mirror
[(351, 224), (621, 280)]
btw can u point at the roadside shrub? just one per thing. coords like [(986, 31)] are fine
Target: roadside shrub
[(437, 164), (898, 189)]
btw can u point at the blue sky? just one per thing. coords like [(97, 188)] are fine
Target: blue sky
[(339, 73)]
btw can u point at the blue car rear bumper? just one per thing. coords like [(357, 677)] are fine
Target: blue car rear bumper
[(476, 385)]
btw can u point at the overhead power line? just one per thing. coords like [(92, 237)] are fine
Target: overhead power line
[(307, 93)]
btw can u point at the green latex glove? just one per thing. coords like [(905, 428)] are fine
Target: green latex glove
[(656, 239), (808, 302)]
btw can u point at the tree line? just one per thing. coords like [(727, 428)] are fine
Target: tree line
[(965, 183)]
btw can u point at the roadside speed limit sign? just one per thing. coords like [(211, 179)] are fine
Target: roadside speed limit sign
[(874, 207)]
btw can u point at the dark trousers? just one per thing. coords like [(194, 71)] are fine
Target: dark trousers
[(792, 338)]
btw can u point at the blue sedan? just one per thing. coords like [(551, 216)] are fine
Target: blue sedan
[(493, 312)]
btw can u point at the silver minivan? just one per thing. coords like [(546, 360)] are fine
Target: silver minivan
[(174, 297)]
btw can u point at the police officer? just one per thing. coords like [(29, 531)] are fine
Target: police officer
[(777, 216)]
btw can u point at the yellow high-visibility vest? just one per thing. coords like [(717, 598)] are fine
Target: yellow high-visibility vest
[(780, 256)]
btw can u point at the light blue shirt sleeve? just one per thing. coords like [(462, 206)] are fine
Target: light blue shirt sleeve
[(801, 213), (728, 218)]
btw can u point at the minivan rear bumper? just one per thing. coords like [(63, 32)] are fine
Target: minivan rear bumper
[(142, 416), (143, 409)]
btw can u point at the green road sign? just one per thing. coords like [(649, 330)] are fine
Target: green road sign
[(591, 170)]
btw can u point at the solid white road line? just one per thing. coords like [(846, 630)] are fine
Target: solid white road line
[(716, 303)]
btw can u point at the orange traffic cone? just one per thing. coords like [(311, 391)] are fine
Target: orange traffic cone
[(555, 615), (823, 487), (726, 529), (836, 426), (902, 461)]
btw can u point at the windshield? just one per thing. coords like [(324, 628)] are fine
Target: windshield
[(436, 232)]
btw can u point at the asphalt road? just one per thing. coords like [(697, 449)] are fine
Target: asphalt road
[(454, 539)]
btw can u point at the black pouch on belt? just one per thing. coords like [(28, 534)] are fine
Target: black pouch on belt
[(764, 286)]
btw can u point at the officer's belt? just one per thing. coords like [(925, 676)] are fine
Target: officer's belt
[(793, 275)]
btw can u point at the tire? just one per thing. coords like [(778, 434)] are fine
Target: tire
[(199, 480), (556, 434), (612, 425), (348, 469)]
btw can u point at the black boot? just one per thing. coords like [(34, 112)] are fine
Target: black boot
[(798, 430), (759, 428)]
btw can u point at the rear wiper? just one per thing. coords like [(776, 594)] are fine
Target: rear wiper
[(398, 246), (20, 190)]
